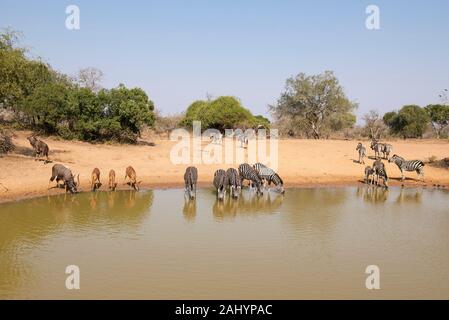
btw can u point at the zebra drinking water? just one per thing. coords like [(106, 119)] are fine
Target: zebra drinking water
[(369, 175), (269, 175), (411, 165), (190, 180), (220, 183), (233, 181), (246, 172), (380, 172), (362, 152)]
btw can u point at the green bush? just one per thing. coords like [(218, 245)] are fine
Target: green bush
[(410, 122), (222, 113)]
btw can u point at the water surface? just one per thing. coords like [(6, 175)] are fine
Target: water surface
[(310, 243)]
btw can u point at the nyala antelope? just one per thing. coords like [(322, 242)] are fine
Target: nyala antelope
[(112, 183), (95, 179), (40, 148), (131, 175)]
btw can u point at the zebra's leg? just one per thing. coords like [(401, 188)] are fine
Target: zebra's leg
[(421, 174), (402, 174)]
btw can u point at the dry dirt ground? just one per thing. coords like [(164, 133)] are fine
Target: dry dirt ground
[(301, 163)]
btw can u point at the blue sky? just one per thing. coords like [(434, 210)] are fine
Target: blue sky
[(180, 51)]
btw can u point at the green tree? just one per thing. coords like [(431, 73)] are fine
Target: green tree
[(48, 107), (19, 75), (317, 104), (222, 113), (410, 122), (439, 117)]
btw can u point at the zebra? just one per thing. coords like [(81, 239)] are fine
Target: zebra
[(220, 183), (249, 173), (379, 171), (411, 165), (376, 147), (369, 175), (269, 175), (362, 152), (233, 181), (216, 137), (386, 149), (243, 139), (190, 180)]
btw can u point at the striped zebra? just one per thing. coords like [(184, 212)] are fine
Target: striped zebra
[(362, 152), (190, 180), (369, 175), (376, 147), (243, 139), (386, 150), (220, 183), (246, 172), (216, 137), (380, 172), (269, 175), (233, 181), (411, 165)]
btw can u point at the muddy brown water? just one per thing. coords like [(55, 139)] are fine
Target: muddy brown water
[(310, 243)]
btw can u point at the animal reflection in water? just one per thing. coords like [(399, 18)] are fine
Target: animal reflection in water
[(410, 195), (375, 195), (247, 204), (372, 194), (189, 210)]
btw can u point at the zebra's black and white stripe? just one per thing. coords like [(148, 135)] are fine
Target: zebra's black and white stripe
[(190, 180), (380, 172), (269, 175), (243, 139), (362, 152), (220, 183), (410, 165), (246, 172), (376, 147), (233, 181), (386, 149), (216, 137), (369, 175)]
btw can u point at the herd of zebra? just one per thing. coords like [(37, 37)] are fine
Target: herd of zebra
[(239, 135), (258, 175), (378, 171)]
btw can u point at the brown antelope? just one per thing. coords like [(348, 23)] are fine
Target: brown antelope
[(95, 179), (59, 172), (112, 183), (131, 175), (40, 147)]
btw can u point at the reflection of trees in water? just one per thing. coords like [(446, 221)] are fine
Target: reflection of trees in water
[(189, 210), (247, 204), (373, 194)]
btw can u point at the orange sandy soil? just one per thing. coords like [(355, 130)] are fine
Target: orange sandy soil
[(301, 163)]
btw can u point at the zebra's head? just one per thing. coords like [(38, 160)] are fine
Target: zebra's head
[(373, 144), (394, 158), (359, 146)]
